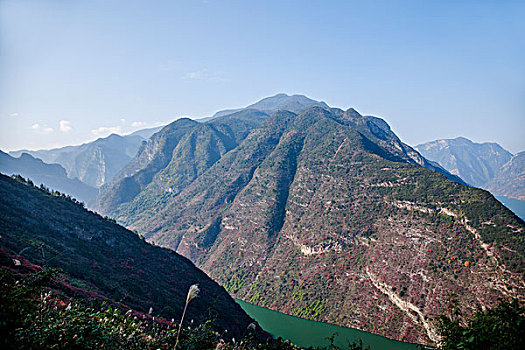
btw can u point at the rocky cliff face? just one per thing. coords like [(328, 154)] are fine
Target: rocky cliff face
[(485, 165), (327, 215)]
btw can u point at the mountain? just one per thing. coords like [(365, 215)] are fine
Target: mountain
[(325, 214), (95, 163), (476, 163), (485, 165), (171, 160), (107, 261), (53, 176), (509, 180), (293, 103), (185, 149)]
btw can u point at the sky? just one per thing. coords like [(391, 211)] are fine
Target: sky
[(75, 70)]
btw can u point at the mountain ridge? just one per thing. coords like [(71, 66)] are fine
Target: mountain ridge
[(280, 101)]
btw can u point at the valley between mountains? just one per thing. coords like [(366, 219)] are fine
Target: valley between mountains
[(323, 214)]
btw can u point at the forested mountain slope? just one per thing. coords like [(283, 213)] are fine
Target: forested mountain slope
[(327, 215), (172, 159)]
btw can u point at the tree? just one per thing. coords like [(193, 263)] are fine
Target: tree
[(501, 327)]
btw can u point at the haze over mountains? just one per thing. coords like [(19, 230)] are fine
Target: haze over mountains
[(53, 176), (94, 163), (323, 214), (485, 165)]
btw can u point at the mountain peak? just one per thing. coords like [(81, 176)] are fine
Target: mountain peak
[(463, 139), (281, 101), (293, 103)]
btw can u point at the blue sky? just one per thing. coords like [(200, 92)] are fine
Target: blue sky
[(72, 70)]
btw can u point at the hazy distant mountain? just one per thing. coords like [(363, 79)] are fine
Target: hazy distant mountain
[(293, 103), (485, 165), (95, 163), (510, 179), (146, 133), (323, 214), (476, 163), (52, 176)]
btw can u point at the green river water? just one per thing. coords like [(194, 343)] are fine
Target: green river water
[(307, 333)]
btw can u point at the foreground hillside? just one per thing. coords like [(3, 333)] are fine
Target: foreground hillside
[(107, 261), (327, 215)]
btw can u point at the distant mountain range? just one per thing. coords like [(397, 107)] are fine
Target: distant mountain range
[(94, 163), (323, 214), (53, 176), (485, 165), (105, 261)]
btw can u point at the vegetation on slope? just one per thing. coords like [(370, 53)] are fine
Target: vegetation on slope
[(499, 328), (329, 216), (103, 260), (36, 314), (171, 160)]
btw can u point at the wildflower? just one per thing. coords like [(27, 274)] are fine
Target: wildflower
[(150, 310), (17, 262)]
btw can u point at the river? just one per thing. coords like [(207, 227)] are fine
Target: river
[(307, 333)]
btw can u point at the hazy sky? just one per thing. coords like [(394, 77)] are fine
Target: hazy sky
[(75, 70)]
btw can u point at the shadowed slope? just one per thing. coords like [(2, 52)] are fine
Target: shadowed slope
[(107, 259)]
